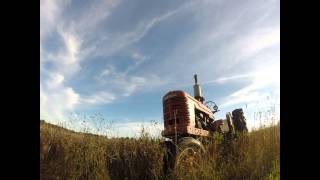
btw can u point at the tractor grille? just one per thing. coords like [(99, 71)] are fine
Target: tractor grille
[(178, 104)]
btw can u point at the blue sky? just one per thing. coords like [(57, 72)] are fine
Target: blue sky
[(115, 59)]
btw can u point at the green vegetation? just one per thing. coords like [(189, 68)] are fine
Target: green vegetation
[(66, 154)]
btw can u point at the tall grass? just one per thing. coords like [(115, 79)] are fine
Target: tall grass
[(70, 155)]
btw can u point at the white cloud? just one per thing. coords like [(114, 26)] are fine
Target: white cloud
[(259, 40), (259, 96), (264, 78), (138, 57), (105, 72), (227, 35), (108, 44), (67, 59), (124, 84), (56, 99), (50, 12), (225, 79), (54, 102), (145, 28), (72, 47), (89, 19), (55, 81), (99, 98), (133, 84)]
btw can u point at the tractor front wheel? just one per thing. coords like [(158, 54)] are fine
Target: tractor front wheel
[(189, 153)]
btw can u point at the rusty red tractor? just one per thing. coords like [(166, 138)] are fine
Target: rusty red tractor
[(189, 120)]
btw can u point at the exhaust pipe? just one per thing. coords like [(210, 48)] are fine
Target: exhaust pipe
[(197, 90)]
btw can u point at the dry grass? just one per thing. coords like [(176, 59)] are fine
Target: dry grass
[(69, 155)]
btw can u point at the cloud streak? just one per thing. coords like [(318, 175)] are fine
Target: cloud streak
[(55, 97), (264, 78), (108, 44), (125, 84)]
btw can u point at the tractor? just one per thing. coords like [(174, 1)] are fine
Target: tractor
[(188, 121)]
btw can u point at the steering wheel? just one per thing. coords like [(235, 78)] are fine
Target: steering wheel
[(212, 106)]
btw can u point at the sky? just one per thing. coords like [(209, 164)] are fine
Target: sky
[(106, 64)]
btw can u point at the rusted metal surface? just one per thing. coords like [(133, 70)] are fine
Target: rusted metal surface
[(169, 132), (184, 120)]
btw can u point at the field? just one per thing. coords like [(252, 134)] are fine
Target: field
[(65, 154)]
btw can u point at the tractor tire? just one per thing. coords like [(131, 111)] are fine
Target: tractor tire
[(239, 121), (189, 153), (169, 157)]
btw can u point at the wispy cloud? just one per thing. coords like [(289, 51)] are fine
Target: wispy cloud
[(138, 57), (222, 80), (264, 78), (55, 96), (50, 12), (259, 40), (98, 98), (125, 84), (86, 21), (107, 44), (145, 28)]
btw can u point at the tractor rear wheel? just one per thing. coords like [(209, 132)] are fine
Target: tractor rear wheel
[(239, 121)]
